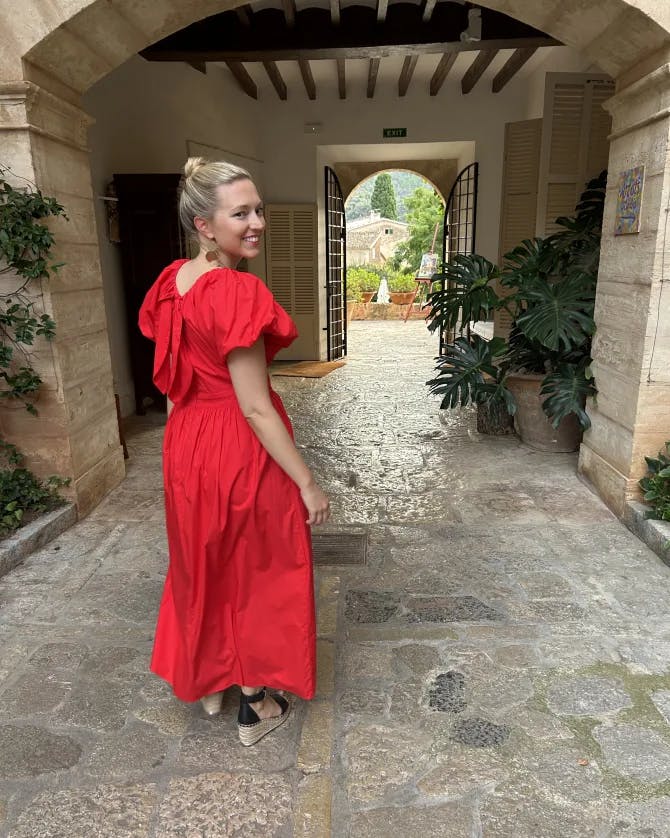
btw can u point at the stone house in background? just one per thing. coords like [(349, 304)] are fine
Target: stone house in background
[(373, 240)]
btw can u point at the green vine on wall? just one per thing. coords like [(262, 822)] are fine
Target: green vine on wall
[(25, 246), (25, 257)]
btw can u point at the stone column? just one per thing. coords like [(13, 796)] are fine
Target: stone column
[(44, 139), (631, 349)]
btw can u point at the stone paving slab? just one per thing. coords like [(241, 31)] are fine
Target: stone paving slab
[(500, 667)]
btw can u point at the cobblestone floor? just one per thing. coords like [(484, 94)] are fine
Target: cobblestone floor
[(500, 668)]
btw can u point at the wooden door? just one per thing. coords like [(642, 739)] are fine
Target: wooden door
[(151, 238)]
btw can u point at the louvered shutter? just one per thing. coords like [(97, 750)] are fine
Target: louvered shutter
[(292, 271), (519, 194), (574, 142)]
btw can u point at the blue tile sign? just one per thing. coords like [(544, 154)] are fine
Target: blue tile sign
[(629, 201), (395, 132)]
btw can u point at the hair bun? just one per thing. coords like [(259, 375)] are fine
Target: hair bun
[(193, 164)]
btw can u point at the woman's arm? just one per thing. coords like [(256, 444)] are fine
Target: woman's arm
[(248, 372)]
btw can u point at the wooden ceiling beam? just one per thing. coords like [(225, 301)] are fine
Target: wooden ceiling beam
[(289, 12), (341, 78), (200, 66), (335, 12), (277, 81), (243, 78), (476, 69), (428, 7), (372, 76), (442, 71), (307, 77), (314, 53), (382, 8), (512, 66), (408, 67)]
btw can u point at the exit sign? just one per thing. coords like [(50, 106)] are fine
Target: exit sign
[(395, 132)]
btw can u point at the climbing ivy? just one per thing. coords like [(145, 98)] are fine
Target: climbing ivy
[(25, 257)]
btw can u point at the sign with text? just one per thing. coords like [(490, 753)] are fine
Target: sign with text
[(394, 132), (629, 201)]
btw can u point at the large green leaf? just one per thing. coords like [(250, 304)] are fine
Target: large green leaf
[(529, 261), (559, 314), (467, 293), (468, 373), (566, 390)]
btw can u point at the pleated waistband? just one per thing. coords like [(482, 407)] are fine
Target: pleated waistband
[(227, 399)]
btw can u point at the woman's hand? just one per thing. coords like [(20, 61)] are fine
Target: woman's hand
[(317, 503)]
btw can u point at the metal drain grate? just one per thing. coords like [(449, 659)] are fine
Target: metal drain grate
[(340, 548)]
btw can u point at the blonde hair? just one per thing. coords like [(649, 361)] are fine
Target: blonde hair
[(198, 196)]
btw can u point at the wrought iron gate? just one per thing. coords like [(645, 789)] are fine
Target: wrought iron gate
[(460, 222), (336, 268)]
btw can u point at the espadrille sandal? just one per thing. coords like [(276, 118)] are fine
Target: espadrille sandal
[(252, 728)]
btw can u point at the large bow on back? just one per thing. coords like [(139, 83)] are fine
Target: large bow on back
[(172, 372)]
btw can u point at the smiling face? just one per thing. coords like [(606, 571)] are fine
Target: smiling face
[(238, 223)]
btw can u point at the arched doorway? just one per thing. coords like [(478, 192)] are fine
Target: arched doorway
[(51, 58)]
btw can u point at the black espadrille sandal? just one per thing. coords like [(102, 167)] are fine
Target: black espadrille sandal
[(252, 728)]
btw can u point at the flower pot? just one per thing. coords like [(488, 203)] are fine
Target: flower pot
[(531, 422), (401, 298), (367, 296)]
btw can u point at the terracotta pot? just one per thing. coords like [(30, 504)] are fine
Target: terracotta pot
[(531, 422), (367, 296), (401, 298)]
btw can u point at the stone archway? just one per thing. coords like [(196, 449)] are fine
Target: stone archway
[(51, 55), (440, 174)]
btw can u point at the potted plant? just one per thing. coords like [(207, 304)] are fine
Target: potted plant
[(353, 294), (541, 373), (401, 287), (364, 280)]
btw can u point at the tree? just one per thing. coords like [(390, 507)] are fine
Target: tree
[(383, 196), (424, 211)]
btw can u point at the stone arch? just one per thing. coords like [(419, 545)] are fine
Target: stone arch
[(79, 43), (347, 172), (54, 52)]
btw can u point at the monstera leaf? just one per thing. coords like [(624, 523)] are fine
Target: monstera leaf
[(566, 390), (468, 373), (529, 261), (466, 295), (559, 314)]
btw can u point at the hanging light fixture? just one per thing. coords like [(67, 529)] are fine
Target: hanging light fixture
[(474, 31)]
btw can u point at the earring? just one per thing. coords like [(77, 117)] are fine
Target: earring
[(213, 254)]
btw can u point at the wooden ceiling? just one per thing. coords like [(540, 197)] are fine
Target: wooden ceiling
[(252, 34)]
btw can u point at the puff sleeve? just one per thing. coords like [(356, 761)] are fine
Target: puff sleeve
[(148, 316), (245, 309)]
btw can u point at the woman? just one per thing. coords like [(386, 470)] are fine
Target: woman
[(238, 604)]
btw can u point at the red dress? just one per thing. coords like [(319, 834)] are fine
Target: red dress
[(238, 602)]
